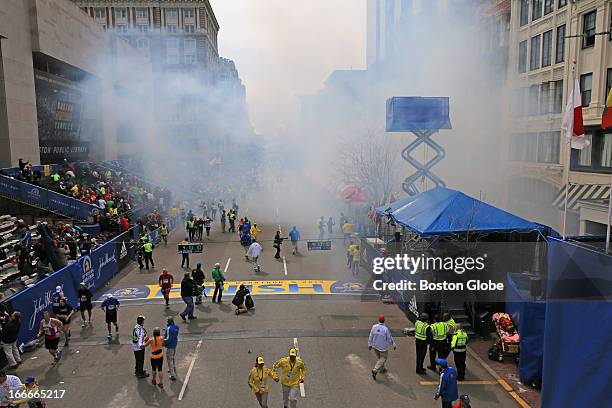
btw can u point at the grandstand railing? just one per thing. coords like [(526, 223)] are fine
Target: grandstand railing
[(44, 198)]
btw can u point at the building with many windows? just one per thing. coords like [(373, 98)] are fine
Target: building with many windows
[(546, 37)]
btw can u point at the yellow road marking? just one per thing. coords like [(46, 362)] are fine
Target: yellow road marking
[(505, 385), (472, 382)]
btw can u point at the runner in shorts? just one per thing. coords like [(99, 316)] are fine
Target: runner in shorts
[(85, 304), (50, 328), (165, 282), (110, 306), (64, 313), (157, 357), (55, 298)]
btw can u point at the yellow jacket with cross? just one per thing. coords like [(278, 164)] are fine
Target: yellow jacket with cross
[(291, 374), (258, 379)]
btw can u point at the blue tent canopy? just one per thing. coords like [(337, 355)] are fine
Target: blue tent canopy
[(446, 211)]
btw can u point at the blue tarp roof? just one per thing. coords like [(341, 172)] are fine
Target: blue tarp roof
[(444, 211)]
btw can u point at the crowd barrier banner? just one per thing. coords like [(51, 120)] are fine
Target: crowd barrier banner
[(124, 249), (42, 197), (577, 331)]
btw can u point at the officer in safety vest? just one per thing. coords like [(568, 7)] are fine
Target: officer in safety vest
[(458, 345), (423, 337), (139, 339), (450, 329), (148, 254), (438, 344)]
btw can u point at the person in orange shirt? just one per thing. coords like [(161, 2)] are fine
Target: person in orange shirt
[(157, 357)]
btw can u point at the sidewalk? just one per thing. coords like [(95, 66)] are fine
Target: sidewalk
[(507, 371)]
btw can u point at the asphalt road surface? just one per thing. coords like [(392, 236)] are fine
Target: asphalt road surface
[(330, 331)]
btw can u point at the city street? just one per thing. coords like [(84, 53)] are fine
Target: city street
[(218, 349)]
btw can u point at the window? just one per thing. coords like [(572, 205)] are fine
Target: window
[(142, 43), (584, 155), (190, 45), (171, 28), (548, 6), (189, 13), (562, 3), (606, 150), (190, 59), (524, 12), (537, 10), (546, 48), (172, 44), (586, 84), (142, 12), (100, 12), (121, 13), (143, 28), (534, 100), (172, 57), (560, 46), (171, 13), (534, 62), (588, 29), (522, 58), (558, 97), (121, 28), (548, 148), (544, 98), (189, 28)]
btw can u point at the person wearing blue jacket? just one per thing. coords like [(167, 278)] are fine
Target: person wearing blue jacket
[(447, 387), (170, 341), (294, 236)]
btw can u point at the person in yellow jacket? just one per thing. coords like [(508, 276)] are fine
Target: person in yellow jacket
[(255, 230), (293, 373), (258, 381)]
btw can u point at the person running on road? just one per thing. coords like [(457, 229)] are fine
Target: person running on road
[(171, 341), (241, 226), (198, 277), (110, 307), (223, 217), (207, 223), (255, 230), (278, 242), (293, 373), (55, 299), (157, 357), (188, 290), (330, 226), (219, 278), (239, 299), (349, 255), (380, 339), (347, 230), (139, 339), (165, 283), (253, 253), (200, 225), (294, 235), (164, 233), (245, 241), (64, 313), (50, 328), (321, 227), (258, 381), (85, 304)]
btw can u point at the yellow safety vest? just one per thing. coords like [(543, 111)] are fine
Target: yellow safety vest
[(450, 323), (420, 330), (438, 330), (148, 247), (460, 339), (135, 335)]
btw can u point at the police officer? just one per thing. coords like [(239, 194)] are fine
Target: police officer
[(450, 329), (458, 345), (438, 344), (148, 254), (139, 339), (423, 337)]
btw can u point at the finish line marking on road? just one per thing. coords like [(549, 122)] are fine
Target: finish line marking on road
[(285, 265), (227, 265), (197, 350), (297, 348), (472, 382)]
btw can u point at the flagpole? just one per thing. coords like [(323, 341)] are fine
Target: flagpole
[(609, 217), (569, 157)]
